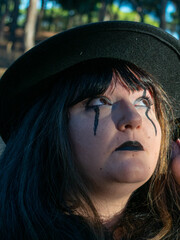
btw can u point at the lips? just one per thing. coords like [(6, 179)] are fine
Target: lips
[(130, 146)]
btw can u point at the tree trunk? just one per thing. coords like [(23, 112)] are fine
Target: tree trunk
[(140, 12), (3, 16), (139, 9), (69, 22), (162, 14), (30, 27), (40, 16), (89, 17), (13, 25), (102, 11), (2, 24)]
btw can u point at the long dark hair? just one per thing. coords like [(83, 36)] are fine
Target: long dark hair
[(41, 187)]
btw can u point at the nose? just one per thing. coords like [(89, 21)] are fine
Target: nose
[(128, 118)]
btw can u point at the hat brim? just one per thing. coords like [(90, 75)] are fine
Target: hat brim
[(148, 47)]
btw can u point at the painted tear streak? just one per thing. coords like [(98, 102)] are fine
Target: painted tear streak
[(96, 119), (146, 113)]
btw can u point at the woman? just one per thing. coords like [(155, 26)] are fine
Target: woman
[(88, 131)]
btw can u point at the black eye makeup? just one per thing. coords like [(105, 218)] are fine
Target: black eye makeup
[(148, 108), (95, 104), (98, 102), (144, 101)]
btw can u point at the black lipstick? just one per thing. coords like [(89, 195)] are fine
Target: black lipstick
[(130, 146)]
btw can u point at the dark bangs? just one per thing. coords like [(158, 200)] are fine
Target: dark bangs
[(93, 77)]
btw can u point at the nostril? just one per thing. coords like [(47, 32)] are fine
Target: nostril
[(132, 122)]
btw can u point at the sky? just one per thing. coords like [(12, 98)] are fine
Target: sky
[(170, 9)]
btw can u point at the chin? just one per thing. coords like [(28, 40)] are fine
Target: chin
[(136, 179), (134, 174)]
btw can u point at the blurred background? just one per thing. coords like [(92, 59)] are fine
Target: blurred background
[(24, 23)]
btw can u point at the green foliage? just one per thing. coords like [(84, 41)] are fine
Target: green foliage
[(69, 13), (148, 19), (56, 12), (22, 17), (54, 19), (131, 16), (58, 19)]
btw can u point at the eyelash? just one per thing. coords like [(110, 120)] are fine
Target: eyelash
[(87, 106), (108, 102), (147, 98)]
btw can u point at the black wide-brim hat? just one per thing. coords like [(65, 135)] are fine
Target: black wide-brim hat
[(148, 47)]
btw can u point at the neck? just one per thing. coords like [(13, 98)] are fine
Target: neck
[(110, 209), (110, 201)]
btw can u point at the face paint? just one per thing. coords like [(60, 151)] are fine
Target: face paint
[(95, 104), (96, 119), (146, 113), (94, 149)]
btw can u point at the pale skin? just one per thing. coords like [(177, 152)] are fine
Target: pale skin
[(112, 175)]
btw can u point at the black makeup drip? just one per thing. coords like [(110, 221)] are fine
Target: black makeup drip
[(147, 111), (96, 119)]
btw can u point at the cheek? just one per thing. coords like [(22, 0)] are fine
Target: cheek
[(81, 128), (83, 140), (90, 151), (153, 139), (81, 132), (151, 123)]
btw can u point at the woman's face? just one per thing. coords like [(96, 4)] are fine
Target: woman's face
[(116, 138)]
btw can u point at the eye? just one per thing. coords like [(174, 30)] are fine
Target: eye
[(143, 102), (98, 102)]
